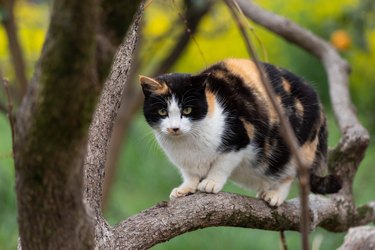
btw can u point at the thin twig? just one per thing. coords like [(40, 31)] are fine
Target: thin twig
[(10, 107), (10, 27), (189, 31), (284, 245), (286, 130)]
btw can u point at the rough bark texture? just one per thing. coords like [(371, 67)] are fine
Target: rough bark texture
[(51, 131), (101, 128), (362, 238), (169, 219), (53, 121)]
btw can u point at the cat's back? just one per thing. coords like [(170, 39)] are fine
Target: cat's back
[(251, 116)]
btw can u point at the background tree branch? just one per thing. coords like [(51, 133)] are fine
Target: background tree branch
[(10, 27)]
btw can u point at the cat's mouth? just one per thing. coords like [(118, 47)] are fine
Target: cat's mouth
[(175, 132)]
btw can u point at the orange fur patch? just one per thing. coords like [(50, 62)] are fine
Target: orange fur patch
[(308, 151), (210, 97), (247, 70), (158, 88), (299, 108), (286, 86), (249, 127)]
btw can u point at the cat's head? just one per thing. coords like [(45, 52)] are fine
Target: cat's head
[(174, 103)]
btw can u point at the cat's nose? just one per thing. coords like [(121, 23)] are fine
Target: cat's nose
[(173, 130)]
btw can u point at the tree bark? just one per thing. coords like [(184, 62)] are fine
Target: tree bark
[(53, 121), (359, 238)]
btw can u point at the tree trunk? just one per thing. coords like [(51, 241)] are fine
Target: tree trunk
[(53, 121)]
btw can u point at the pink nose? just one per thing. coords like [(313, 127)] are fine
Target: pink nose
[(173, 130)]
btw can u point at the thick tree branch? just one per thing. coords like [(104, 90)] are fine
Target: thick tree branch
[(51, 131), (169, 219), (359, 238), (102, 124)]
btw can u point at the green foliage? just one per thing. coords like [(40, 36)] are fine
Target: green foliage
[(8, 211)]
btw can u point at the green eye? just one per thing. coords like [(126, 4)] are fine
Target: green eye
[(162, 112), (187, 111)]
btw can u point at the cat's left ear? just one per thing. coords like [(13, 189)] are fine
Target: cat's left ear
[(200, 80)]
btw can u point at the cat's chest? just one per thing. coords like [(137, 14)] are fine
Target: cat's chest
[(197, 152)]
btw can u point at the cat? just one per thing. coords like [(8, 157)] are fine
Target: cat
[(220, 125)]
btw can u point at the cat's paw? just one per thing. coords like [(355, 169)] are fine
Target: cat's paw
[(209, 186), (181, 191), (273, 197)]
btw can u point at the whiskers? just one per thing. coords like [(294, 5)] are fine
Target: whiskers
[(149, 139)]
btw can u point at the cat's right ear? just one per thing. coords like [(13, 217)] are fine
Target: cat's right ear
[(149, 84), (201, 79)]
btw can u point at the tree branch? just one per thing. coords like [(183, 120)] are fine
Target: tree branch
[(359, 238), (102, 124), (169, 219), (10, 27)]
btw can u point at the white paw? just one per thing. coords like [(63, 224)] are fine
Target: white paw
[(273, 197), (209, 186), (181, 191)]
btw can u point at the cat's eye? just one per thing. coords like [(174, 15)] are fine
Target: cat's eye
[(162, 112), (187, 110)]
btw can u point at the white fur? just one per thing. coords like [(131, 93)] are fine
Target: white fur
[(194, 151)]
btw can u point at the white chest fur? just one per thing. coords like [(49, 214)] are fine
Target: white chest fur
[(197, 150)]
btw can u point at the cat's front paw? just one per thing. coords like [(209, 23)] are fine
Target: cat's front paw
[(181, 191), (209, 186), (273, 197)]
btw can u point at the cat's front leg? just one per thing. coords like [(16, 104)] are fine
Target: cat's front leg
[(189, 186), (219, 172)]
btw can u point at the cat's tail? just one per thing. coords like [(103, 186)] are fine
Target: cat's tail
[(328, 184), (325, 185)]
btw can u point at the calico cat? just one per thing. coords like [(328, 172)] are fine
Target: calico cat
[(220, 125)]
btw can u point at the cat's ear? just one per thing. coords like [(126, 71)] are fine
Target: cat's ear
[(200, 80), (150, 84)]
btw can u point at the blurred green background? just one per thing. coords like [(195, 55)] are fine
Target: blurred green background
[(144, 176)]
